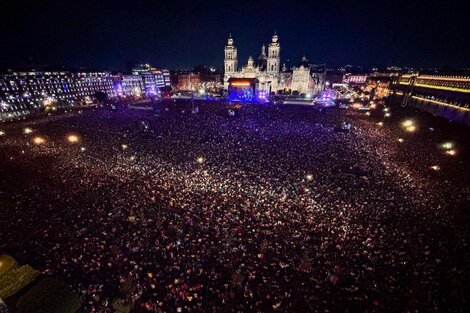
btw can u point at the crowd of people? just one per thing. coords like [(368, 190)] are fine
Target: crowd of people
[(267, 211)]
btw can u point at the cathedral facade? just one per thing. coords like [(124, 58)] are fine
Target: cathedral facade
[(267, 70)]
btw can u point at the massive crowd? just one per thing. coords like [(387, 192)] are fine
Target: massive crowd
[(267, 211)]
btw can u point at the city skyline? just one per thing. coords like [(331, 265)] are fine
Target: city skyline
[(181, 36)]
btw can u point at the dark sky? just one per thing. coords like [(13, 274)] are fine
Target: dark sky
[(176, 34)]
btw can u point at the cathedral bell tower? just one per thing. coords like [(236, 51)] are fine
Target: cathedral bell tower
[(230, 60), (274, 57)]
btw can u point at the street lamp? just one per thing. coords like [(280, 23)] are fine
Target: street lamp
[(38, 140), (436, 167), (447, 145), (73, 138), (407, 123)]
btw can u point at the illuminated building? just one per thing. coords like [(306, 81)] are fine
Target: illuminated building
[(153, 78), (354, 79), (24, 92), (166, 78), (230, 61), (267, 71), (376, 84), (132, 85), (445, 95), (205, 79), (188, 81)]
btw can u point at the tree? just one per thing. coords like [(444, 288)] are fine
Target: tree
[(16, 279), (7, 263), (50, 295), (121, 306)]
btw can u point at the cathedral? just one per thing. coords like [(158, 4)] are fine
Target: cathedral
[(268, 72)]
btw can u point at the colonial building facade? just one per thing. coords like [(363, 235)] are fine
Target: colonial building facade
[(267, 70)]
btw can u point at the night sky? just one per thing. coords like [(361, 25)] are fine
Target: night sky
[(181, 34)]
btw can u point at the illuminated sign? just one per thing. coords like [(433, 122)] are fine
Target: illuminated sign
[(241, 84)]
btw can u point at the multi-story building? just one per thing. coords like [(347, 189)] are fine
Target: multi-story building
[(268, 73), (207, 80), (33, 90), (445, 95), (22, 92), (354, 79), (159, 78), (132, 85), (187, 81)]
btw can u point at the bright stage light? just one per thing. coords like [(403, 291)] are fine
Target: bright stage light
[(73, 138), (200, 160), (241, 84), (388, 114), (82, 149), (309, 177), (2, 133), (400, 140), (124, 146), (367, 113), (451, 152), (27, 130), (380, 124)]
